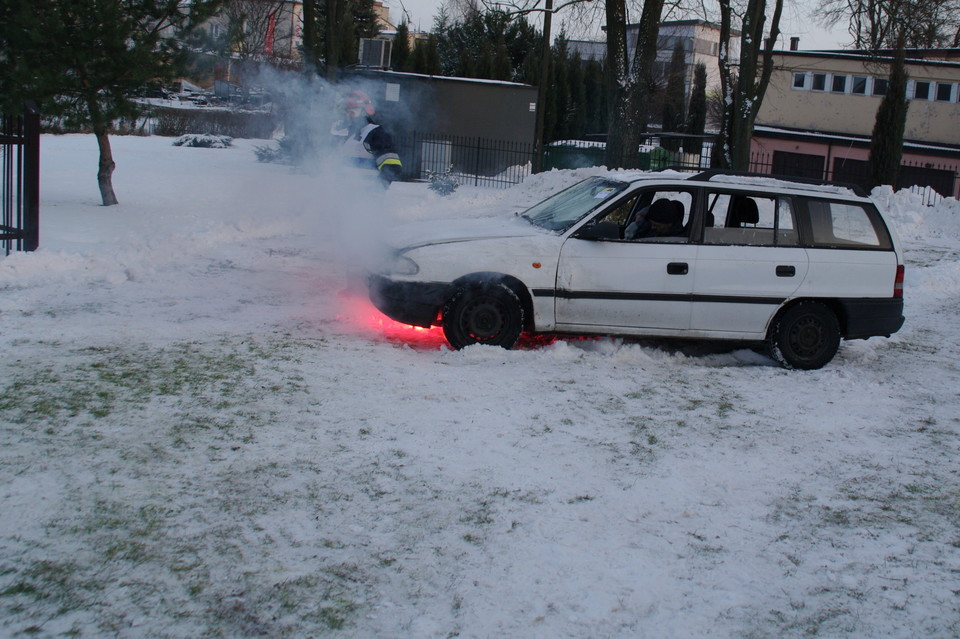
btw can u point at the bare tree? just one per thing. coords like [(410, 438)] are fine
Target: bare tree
[(253, 33), (743, 81), (878, 24), (252, 27)]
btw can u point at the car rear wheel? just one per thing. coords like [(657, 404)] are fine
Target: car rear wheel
[(488, 313), (805, 336)]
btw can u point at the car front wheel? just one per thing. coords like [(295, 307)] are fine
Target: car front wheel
[(805, 336), (487, 313)]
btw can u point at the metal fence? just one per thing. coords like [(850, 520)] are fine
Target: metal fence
[(470, 161), (20, 181), (932, 182)]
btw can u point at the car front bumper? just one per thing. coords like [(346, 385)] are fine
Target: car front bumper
[(414, 303)]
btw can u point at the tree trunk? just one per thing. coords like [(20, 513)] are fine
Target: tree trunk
[(630, 92), (107, 165), (617, 60), (309, 34), (332, 41), (743, 90)]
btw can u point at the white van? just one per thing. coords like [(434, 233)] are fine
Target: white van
[(714, 256)]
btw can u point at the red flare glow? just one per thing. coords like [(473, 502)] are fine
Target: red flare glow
[(365, 318)]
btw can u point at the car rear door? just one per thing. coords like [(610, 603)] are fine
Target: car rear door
[(748, 264)]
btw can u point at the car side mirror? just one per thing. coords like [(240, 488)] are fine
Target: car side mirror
[(600, 231)]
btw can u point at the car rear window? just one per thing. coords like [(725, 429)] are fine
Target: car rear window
[(845, 225)]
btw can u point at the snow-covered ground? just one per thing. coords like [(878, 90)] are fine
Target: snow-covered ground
[(205, 431)]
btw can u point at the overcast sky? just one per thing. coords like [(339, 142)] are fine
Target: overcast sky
[(796, 21)]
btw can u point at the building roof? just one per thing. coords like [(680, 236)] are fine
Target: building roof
[(850, 139), (913, 56)]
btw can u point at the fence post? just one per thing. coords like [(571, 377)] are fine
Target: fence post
[(476, 166), (31, 177)]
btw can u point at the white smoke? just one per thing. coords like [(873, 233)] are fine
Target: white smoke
[(350, 208)]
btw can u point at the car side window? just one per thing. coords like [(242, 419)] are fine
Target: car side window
[(661, 216), (750, 220), (845, 225), (620, 213)]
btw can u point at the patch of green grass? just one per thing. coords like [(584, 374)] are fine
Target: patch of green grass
[(328, 598), (724, 408), (95, 382), (59, 584)]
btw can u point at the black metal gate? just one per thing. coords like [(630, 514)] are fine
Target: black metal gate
[(20, 181)]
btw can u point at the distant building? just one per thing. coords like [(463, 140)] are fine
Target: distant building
[(818, 114), (700, 41), (278, 26)]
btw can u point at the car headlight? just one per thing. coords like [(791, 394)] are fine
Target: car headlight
[(401, 265)]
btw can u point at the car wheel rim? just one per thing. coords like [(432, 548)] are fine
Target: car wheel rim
[(806, 337), (483, 320)]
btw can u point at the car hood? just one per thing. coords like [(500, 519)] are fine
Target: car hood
[(447, 231)]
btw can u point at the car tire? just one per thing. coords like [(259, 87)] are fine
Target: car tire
[(487, 313), (805, 336)]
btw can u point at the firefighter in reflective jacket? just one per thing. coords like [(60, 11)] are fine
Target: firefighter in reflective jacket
[(364, 140)]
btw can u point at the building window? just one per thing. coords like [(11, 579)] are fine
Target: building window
[(921, 91), (819, 81), (859, 85), (880, 86), (799, 80), (839, 84), (944, 91)]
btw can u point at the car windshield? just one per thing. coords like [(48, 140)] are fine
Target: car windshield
[(561, 210)]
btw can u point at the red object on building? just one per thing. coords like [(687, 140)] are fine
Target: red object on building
[(271, 31)]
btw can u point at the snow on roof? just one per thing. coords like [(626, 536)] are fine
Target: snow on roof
[(782, 183)]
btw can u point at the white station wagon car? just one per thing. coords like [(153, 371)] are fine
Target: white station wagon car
[(716, 256)]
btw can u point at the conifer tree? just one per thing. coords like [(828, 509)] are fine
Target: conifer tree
[(596, 96), (426, 57), (85, 59), (886, 147), (577, 111), (673, 117), (402, 58), (502, 65), (697, 111)]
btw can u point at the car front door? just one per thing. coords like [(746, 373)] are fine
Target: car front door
[(625, 286)]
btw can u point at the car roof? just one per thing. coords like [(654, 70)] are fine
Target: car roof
[(750, 180)]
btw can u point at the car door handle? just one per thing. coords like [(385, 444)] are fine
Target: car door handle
[(784, 270), (678, 268)]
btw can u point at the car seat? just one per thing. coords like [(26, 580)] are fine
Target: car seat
[(743, 210)]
